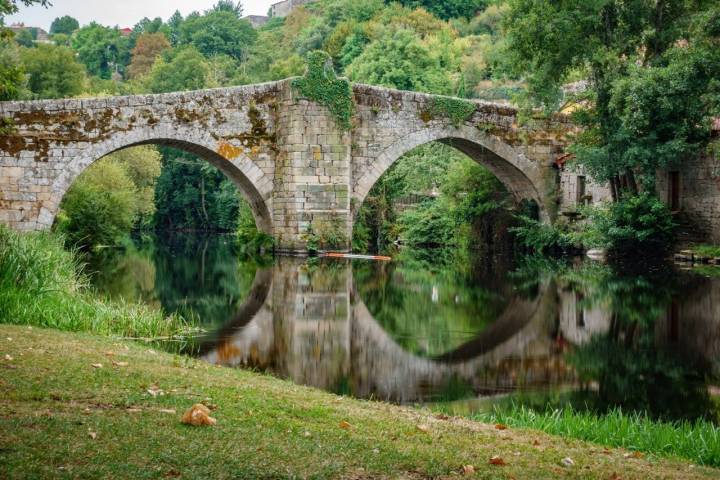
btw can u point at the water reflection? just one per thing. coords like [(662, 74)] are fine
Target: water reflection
[(471, 332)]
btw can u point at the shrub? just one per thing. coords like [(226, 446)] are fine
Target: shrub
[(637, 224)]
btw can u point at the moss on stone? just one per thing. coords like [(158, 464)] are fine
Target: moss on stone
[(320, 84), (456, 110)]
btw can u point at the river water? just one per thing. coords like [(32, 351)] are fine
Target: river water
[(443, 327)]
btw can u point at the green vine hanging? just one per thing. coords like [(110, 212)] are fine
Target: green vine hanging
[(455, 109), (322, 85)]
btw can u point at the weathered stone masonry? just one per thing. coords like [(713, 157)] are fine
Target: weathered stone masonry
[(286, 154)]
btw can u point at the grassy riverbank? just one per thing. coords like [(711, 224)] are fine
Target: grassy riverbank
[(40, 285), (64, 417), (696, 441)]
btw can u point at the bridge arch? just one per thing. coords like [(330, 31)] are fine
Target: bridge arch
[(250, 180), (521, 176)]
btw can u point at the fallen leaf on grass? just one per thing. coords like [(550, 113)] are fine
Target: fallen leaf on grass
[(497, 460), (468, 470), (345, 425), (500, 426), (423, 428), (633, 455), (614, 476), (155, 390), (109, 354), (8, 358), (167, 410), (198, 415), (133, 409), (567, 462), (536, 443), (96, 365), (120, 364), (92, 435)]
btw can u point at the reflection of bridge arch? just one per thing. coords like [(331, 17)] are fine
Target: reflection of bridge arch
[(384, 369), (304, 332)]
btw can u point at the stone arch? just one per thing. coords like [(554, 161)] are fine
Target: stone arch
[(250, 180), (521, 176)]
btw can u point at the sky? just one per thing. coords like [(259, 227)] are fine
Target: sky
[(124, 13)]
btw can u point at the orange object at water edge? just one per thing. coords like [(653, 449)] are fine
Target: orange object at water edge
[(379, 258)]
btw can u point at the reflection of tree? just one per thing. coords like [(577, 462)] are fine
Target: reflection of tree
[(197, 277), (201, 277), (428, 309), (632, 367)]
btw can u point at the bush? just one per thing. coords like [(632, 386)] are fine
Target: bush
[(542, 238), (638, 224)]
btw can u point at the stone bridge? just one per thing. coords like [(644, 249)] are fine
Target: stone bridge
[(286, 154)]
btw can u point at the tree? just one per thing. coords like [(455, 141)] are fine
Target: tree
[(24, 38), (142, 166), (66, 25), (53, 71), (12, 74), (148, 48), (218, 32), (652, 69), (172, 28), (102, 50), (8, 7), (400, 60), (184, 69), (447, 9), (235, 8), (100, 207)]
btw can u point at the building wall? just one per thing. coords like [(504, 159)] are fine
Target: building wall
[(699, 194), (283, 9)]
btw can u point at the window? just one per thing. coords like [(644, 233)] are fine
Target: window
[(674, 191), (580, 190)]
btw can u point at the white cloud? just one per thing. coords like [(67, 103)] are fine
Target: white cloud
[(124, 13)]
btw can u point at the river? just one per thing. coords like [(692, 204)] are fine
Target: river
[(438, 327)]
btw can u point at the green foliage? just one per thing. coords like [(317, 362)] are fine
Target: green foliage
[(184, 69), (7, 126), (40, 285), (12, 74), (252, 240), (64, 25), (640, 224), (326, 233), (652, 70), (401, 60), (321, 85), (447, 9), (218, 32), (100, 207), (53, 72), (103, 50), (455, 109), (24, 38), (191, 194), (541, 237)]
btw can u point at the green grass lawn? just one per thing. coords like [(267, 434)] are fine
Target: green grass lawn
[(62, 417)]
